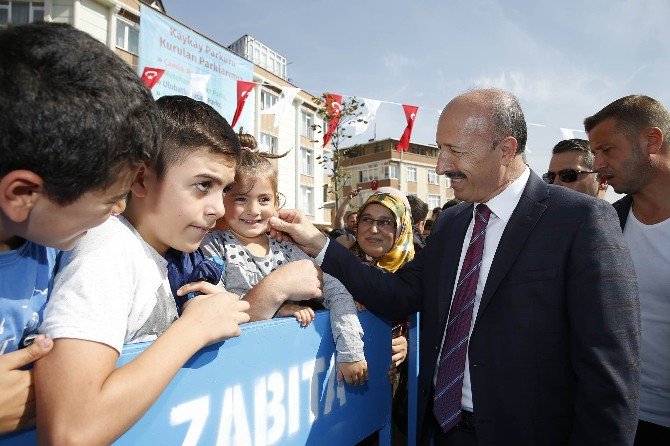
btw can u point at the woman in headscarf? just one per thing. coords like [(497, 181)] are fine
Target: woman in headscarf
[(384, 239), (384, 233)]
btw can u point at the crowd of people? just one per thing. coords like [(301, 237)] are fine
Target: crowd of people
[(545, 310)]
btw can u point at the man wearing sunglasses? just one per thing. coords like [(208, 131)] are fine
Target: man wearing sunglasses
[(571, 166), (629, 138)]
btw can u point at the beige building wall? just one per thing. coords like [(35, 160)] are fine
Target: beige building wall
[(374, 159)]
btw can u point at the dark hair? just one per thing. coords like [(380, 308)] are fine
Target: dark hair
[(450, 203), (576, 145), (72, 111), (189, 125), (257, 164), (418, 208), (633, 114)]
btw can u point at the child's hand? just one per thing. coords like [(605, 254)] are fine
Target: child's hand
[(199, 287), (359, 307), (354, 373), (398, 355), (216, 317), (17, 399), (304, 315)]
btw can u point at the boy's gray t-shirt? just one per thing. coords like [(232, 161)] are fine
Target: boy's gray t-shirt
[(112, 288), (244, 270)]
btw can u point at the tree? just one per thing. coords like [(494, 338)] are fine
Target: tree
[(349, 110)]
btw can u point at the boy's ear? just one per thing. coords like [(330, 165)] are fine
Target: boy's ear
[(139, 187), (19, 191)]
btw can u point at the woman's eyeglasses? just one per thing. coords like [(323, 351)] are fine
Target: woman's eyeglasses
[(566, 175), (382, 223)]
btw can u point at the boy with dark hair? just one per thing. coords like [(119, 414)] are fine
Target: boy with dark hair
[(76, 124), (113, 288)]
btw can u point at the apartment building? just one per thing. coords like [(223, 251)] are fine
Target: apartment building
[(412, 172)]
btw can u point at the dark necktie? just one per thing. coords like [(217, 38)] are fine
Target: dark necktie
[(450, 369)]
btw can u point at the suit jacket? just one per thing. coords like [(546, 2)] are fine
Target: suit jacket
[(554, 353), (622, 208)]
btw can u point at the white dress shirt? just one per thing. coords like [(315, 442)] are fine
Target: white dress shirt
[(501, 206)]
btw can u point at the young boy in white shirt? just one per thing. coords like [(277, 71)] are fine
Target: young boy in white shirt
[(113, 287)]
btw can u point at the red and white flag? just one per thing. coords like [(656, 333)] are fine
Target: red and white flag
[(243, 90), (333, 113), (151, 76), (410, 114)]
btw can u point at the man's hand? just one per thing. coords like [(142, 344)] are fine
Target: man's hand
[(354, 373), (304, 315), (216, 316), (398, 355), (300, 229), (17, 394)]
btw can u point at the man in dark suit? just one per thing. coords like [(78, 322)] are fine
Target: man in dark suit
[(527, 290), (629, 138)]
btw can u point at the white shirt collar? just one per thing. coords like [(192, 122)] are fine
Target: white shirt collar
[(503, 204)]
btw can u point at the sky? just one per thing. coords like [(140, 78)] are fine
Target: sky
[(564, 60)]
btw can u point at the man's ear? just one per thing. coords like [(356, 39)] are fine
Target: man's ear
[(19, 191), (139, 186), (653, 139), (508, 146)]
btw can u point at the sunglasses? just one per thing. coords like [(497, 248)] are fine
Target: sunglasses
[(566, 175)]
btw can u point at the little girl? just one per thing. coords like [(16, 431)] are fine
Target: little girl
[(250, 254)]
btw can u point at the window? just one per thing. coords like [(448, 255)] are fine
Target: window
[(306, 123), (434, 202), (269, 143), (20, 13), (127, 35), (433, 178), (391, 171), (411, 174), (368, 173), (268, 99), (447, 182), (306, 162), (307, 200)]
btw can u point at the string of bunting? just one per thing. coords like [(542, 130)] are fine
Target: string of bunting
[(198, 85)]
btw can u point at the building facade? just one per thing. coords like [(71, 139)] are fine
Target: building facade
[(412, 172)]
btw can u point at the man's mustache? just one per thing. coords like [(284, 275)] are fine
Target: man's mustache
[(455, 175)]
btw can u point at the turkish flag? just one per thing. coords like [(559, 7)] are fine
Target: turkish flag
[(333, 113), (243, 90), (410, 114), (151, 76)]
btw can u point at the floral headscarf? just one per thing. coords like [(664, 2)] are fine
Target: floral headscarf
[(402, 250)]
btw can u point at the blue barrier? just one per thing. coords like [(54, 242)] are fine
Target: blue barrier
[(413, 378), (275, 384)]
